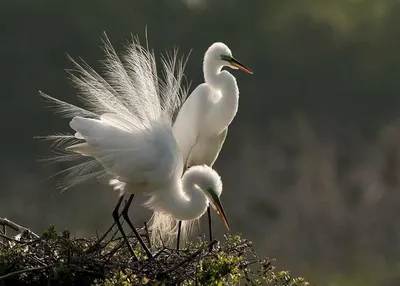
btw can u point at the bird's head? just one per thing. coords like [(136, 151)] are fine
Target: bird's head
[(219, 52), (209, 182)]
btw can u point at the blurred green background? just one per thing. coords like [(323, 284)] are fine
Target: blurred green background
[(311, 164)]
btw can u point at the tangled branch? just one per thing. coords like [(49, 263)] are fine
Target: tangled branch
[(57, 259)]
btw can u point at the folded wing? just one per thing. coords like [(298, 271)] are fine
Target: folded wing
[(187, 126)]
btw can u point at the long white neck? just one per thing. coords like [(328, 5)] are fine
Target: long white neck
[(185, 198), (226, 95)]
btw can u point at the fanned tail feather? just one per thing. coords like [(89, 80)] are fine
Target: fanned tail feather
[(171, 86), (84, 168), (164, 230), (129, 89)]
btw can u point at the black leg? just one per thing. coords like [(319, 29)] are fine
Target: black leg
[(209, 225), (116, 215), (126, 217), (106, 233), (99, 241), (179, 235)]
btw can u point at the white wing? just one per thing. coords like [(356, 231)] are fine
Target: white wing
[(187, 126), (135, 156), (206, 150), (197, 148), (220, 142), (126, 120)]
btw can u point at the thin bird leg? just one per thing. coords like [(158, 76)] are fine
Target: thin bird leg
[(106, 233), (210, 226), (127, 219), (109, 230), (179, 235), (115, 215)]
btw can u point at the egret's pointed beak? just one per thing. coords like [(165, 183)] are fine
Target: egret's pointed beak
[(220, 211), (234, 62)]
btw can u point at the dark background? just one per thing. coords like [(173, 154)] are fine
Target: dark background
[(311, 164)]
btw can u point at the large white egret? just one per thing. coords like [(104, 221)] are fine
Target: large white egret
[(125, 134), (202, 124)]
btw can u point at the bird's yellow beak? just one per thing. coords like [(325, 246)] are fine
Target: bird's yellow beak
[(234, 62), (220, 211)]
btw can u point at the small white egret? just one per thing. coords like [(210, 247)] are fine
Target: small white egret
[(202, 124), (125, 134)]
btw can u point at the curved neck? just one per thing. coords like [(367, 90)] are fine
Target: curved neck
[(211, 70), (184, 200), (225, 93)]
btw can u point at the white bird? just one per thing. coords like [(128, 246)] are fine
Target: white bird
[(201, 126), (125, 134)]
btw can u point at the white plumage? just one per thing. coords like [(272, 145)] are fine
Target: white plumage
[(124, 134), (202, 124)]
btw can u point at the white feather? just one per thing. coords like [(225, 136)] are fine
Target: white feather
[(125, 134), (202, 123), (128, 97)]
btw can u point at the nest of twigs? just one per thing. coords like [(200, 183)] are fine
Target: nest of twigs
[(57, 259)]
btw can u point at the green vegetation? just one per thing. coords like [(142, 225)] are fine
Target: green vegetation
[(57, 259)]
